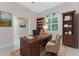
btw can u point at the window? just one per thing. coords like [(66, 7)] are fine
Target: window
[(51, 21)]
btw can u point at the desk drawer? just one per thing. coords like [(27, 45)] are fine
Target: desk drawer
[(35, 44), (36, 51), (25, 43)]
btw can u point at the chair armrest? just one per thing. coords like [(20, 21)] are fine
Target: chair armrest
[(53, 41), (50, 44)]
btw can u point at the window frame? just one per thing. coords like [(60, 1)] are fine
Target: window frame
[(50, 16)]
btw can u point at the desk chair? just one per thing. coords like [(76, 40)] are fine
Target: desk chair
[(53, 46)]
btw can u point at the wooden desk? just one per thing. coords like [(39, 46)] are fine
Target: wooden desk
[(31, 47)]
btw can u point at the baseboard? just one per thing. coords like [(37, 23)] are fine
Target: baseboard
[(6, 45)]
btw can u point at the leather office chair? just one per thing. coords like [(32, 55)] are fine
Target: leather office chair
[(53, 46)]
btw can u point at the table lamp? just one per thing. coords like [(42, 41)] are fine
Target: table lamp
[(45, 27), (44, 30)]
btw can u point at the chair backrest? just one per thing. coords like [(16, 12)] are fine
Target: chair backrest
[(56, 39), (58, 42), (59, 38)]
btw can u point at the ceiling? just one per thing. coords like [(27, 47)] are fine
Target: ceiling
[(39, 6)]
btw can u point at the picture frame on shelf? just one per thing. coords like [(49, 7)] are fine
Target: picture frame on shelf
[(67, 18), (65, 25)]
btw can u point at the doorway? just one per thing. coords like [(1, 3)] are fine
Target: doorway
[(20, 29)]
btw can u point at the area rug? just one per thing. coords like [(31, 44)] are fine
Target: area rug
[(62, 52)]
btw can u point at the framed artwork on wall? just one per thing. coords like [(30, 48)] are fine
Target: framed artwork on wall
[(21, 22), (5, 19)]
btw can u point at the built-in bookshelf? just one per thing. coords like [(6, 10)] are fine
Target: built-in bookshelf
[(40, 23), (69, 35), (68, 25)]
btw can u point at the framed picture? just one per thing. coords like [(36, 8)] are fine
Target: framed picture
[(5, 19), (22, 25)]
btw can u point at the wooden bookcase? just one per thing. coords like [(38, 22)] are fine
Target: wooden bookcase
[(69, 35), (40, 23)]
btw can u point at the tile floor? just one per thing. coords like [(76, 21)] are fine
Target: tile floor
[(72, 51), (69, 51)]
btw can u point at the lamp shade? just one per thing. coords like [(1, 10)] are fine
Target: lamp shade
[(45, 27)]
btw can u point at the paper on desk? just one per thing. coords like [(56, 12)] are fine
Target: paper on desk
[(30, 37)]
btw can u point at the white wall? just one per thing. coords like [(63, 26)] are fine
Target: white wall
[(65, 7), (6, 33)]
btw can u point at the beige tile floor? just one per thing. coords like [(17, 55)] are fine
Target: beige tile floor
[(72, 51), (68, 51), (5, 51)]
